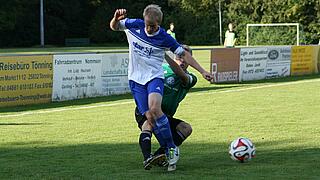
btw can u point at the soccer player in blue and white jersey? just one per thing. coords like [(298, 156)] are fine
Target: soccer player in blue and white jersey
[(177, 83), (147, 45)]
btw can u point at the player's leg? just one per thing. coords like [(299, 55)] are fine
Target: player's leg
[(140, 119), (159, 120), (180, 130), (162, 149), (140, 95), (161, 127), (145, 143), (162, 132), (145, 135)]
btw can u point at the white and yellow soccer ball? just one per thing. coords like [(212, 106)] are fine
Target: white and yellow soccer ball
[(242, 149)]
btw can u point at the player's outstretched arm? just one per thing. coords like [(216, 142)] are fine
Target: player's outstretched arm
[(193, 63), (177, 69), (119, 14)]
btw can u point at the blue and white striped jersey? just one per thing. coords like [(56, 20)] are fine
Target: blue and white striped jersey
[(146, 52)]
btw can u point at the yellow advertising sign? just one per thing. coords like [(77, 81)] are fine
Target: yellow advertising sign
[(318, 56), (25, 80), (304, 60)]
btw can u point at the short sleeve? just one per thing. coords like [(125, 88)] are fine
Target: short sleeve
[(122, 25), (192, 81), (130, 23), (173, 45)]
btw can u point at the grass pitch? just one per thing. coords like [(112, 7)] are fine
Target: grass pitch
[(98, 138)]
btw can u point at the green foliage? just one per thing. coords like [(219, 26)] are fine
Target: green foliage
[(18, 23), (276, 35), (196, 21), (305, 12)]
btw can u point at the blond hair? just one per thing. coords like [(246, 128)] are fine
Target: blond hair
[(154, 12)]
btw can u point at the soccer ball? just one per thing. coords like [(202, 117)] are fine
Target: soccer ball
[(242, 149)]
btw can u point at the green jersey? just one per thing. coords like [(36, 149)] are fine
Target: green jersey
[(174, 90), (171, 33)]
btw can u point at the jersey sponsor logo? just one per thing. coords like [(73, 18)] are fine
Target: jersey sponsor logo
[(171, 88), (142, 50), (170, 80)]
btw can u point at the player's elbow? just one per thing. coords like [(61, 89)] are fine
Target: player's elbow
[(185, 82), (112, 26), (187, 56)]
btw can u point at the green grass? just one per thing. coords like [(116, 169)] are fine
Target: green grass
[(280, 116)]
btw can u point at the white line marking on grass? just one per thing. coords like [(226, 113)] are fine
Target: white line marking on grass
[(65, 109), (258, 87), (131, 101)]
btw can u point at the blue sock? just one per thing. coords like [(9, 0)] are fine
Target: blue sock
[(156, 132), (162, 132)]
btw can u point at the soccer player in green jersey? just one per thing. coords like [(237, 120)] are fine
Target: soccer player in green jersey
[(171, 32), (177, 83)]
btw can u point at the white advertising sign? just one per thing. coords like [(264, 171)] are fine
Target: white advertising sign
[(76, 76), (253, 63), (279, 61), (114, 74)]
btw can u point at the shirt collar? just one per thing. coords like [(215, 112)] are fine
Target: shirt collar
[(151, 35)]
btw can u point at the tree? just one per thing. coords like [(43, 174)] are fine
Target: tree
[(305, 12), (196, 21)]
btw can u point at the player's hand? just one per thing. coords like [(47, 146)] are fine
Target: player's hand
[(206, 75), (120, 14)]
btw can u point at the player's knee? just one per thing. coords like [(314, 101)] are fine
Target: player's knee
[(154, 103), (155, 112), (150, 117), (188, 129), (139, 117), (185, 129), (146, 126)]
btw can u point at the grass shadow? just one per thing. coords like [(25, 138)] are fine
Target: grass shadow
[(123, 161), (211, 88)]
